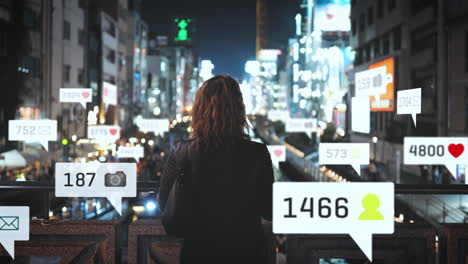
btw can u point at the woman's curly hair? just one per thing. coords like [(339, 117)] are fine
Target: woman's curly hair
[(218, 114)]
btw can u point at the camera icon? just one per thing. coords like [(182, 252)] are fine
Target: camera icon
[(117, 179)]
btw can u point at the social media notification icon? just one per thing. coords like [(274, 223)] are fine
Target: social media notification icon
[(111, 180), (357, 209), (14, 226), (41, 131)]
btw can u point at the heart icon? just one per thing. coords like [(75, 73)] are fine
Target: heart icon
[(278, 152), (113, 131), (456, 150), (85, 94)]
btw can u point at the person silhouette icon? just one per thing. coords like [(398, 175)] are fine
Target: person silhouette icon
[(371, 203)]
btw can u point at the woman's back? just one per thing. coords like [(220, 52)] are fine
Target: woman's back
[(233, 191), (232, 181)]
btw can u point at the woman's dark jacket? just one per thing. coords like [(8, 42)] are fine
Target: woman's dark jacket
[(234, 191)]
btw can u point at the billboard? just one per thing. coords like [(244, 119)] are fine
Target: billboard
[(384, 102), (332, 15)]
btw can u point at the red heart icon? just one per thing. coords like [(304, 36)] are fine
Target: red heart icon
[(85, 94), (113, 131), (278, 152), (456, 150)]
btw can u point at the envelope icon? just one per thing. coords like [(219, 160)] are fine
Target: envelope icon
[(9, 223)]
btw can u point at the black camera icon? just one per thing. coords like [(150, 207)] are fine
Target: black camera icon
[(117, 179)]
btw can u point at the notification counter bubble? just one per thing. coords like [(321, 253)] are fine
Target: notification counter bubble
[(76, 95), (357, 209), (277, 153), (372, 82), (278, 115), (360, 114), (354, 154), (154, 125), (409, 102), (307, 125), (136, 152), (110, 180), (109, 93), (41, 131), (14, 226), (104, 133), (448, 151)]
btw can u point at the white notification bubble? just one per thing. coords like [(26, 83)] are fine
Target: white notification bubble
[(357, 209), (354, 154), (360, 114), (76, 95), (109, 94), (277, 153), (41, 131), (110, 180), (14, 226), (448, 151), (278, 115), (409, 102), (307, 125), (372, 82), (104, 133), (136, 152), (154, 125)]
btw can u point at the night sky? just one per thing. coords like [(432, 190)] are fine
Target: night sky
[(225, 29)]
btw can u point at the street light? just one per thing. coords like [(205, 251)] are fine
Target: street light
[(375, 140)]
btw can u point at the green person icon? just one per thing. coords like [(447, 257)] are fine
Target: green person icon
[(371, 203)]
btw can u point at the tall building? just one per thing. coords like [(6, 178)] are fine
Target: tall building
[(419, 43), (261, 38), (67, 64), (125, 63), (20, 39)]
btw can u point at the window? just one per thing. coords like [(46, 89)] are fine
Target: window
[(386, 44), (109, 78), (30, 19), (353, 27), (30, 65), (80, 77), (397, 38), (121, 61), (81, 37), (466, 51), (380, 8), (3, 43), (376, 48), (358, 57), (109, 26), (370, 15), (66, 30), (422, 40), (419, 5), (391, 5), (109, 54), (362, 22), (66, 73), (82, 4), (368, 53)]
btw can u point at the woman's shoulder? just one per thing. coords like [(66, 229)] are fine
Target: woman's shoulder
[(254, 145), (181, 144)]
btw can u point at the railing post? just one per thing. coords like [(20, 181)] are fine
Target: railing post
[(427, 207), (443, 213)]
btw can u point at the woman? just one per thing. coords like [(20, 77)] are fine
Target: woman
[(233, 177)]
